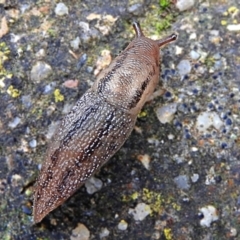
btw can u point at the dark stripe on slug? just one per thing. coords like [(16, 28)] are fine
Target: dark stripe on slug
[(78, 124), (102, 132), (139, 92), (54, 156), (103, 81), (97, 141), (74, 127), (65, 180)]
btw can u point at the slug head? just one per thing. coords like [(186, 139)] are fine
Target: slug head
[(132, 76)]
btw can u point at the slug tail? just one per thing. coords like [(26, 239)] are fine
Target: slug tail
[(138, 29), (166, 40)]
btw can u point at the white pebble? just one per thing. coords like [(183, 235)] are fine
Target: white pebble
[(33, 143), (183, 5), (140, 212), (145, 160), (194, 149), (209, 215), (104, 233), (14, 122), (40, 71), (184, 67), (93, 185), (49, 88), (192, 36), (80, 233), (208, 119), (233, 232), (41, 53), (195, 177), (75, 43), (84, 26), (214, 33), (61, 9), (182, 182), (122, 225), (178, 50), (233, 27), (170, 136), (165, 114), (194, 55)]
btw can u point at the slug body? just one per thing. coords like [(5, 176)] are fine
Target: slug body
[(99, 123)]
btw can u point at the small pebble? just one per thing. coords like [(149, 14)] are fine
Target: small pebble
[(156, 235), (195, 177), (80, 233), (49, 88), (41, 53), (89, 69), (194, 55), (88, 34), (71, 83), (233, 232), (145, 160), (104, 233), (82, 61), (27, 210), (182, 182), (26, 101), (75, 43), (140, 212), (193, 36), (61, 9), (135, 8), (165, 114), (93, 185), (233, 27), (209, 215), (33, 143), (184, 67), (170, 136), (184, 5), (205, 120), (122, 225), (40, 71), (14, 122), (210, 177)]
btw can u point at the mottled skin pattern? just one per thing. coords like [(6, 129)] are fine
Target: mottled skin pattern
[(99, 123)]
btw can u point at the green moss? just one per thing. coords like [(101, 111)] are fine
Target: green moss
[(52, 32), (158, 19), (164, 23), (164, 3)]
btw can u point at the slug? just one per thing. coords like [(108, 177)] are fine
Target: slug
[(99, 123)]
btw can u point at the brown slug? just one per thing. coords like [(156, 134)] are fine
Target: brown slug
[(99, 123)]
